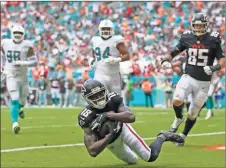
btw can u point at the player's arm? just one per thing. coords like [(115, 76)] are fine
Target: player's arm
[(220, 56), (124, 114), (2, 58), (93, 145), (32, 59), (124, 55), (173, 52)]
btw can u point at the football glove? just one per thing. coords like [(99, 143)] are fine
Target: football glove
[(112, 60), (115, 128), (92, 63), (16, 63), (208, 70), (166, 65), (98, 122)]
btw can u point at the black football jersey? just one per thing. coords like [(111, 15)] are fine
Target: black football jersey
[(182, 65), (200, 53), (88, 114)]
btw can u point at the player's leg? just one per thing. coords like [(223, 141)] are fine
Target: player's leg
[(54, 96), (24, 92), (114, 83), (103, 79), (147, 153), (13, 89), (183, 89), (122, 151), (209, 102), (199, 97), (66, 98)]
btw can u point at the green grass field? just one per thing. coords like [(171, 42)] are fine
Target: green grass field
[(52, 138)]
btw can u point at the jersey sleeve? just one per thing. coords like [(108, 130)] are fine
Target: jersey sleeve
[(118, 39), (30, 44), (217, 39), (84, 118), (117, 100), (2, 46), (91, 42), (181, 45)]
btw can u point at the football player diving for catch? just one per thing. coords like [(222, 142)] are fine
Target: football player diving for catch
[(108, 51), (202, 47), (18, 54), (121, 139)]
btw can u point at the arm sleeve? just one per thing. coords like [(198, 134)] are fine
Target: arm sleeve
[(179, 48), (219, 51), (118, 39)]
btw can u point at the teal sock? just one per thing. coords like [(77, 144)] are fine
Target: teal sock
[(14, 110), (209, 103), (21, 106)]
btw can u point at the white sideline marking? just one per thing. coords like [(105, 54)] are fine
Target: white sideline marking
[(57, 126), (197, 135), (81, 144)]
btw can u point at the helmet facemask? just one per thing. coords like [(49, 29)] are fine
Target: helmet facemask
[(199, 28), (18, 36), (106, 32), (97, 98), (17, 33)]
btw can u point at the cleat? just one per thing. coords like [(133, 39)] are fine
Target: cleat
[(16, 128), (21, 113), (176, 123), (209, 115), (170, 136), (182, 136)]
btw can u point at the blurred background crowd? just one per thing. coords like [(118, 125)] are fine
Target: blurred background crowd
[(61, 32)]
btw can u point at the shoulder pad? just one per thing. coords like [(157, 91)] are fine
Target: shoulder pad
[(187, 32), (93, 39), (112, 94), (216, 36), (115, 97), (29, 43), (118, 39), (82, 117), (4, 41)]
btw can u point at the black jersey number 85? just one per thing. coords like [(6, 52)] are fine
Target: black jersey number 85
[(198, 57)]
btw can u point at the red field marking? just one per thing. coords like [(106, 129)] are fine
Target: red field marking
[(216, 147)]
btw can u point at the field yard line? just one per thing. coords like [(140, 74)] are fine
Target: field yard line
[(81, 144), (57, 126), (197, 135)]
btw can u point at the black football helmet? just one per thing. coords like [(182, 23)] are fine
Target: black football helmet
[(95, 93), (200, 19)]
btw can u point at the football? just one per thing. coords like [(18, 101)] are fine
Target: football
[(105, 129)]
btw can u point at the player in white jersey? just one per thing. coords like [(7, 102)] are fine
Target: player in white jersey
[(214, 82), (108, 51), (18, 54)]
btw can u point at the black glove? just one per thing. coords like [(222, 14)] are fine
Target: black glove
[(114, 128), (98, 122)]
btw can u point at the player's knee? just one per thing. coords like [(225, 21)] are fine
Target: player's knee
[(154, 155), (193, 112), (132, 160), (14, 95), (191, 117), (177, 102)]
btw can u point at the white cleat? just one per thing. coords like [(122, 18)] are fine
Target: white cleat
[(16, 128), (184, 137), (176, 123), (209, 115)]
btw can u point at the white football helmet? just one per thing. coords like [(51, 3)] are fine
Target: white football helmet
[(17, 33), (106, 28)]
